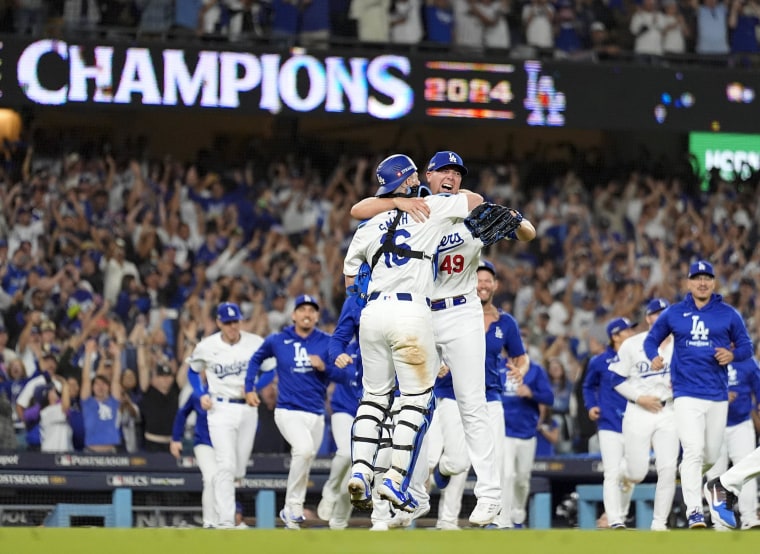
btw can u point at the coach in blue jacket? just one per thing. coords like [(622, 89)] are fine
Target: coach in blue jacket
[(708, 335)]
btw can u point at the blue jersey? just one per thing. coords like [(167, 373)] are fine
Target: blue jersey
[(504, 333), (744, 380), (201, 435), (346, 396), (694, 372), (520, 413), (300, 386), (599, 390)]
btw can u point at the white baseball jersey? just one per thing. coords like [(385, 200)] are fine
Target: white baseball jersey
[(633, 364), (400, 274), (458, 259), (226, 364)]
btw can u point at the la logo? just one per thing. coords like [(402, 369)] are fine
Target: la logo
[(452, 157)]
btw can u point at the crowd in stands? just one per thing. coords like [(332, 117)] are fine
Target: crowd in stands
[(726, 31), (112, 269)]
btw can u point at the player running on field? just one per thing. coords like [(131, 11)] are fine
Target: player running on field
[(708, 334), (223, 359)]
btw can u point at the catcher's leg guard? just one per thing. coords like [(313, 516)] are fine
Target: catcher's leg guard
[(366, 431), (414, 417)]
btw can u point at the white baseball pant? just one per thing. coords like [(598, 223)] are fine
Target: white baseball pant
[(517, 465), (701, 426), (232, 429), (461, 339), (748, 468), (337, 482), (304, 432), (643, 429), (738, 444), (611, 446), (206, 460)]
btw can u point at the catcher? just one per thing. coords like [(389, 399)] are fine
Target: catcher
[(458, 327)]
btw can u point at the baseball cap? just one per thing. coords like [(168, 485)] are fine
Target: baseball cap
[(619, 324), (228, 311), (447, 158), (488, 266), (701, 268), (657, 305), (163, 369), (306, 299)]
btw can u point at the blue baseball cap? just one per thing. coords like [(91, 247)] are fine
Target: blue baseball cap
[(657, 305), (445, 159), (228, 311), (488, 266), (306, 299), (701, 268), (619, 324)]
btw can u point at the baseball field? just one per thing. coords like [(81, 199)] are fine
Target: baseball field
[(355, 541)]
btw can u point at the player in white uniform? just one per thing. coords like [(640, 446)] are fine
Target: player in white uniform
[(223, 359), (458, 326), (721, 492), (396, 336), (649, 421)]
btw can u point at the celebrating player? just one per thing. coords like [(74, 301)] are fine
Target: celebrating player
[(396, 337), (222, 358), (458, 323), (303, 375), (708, 334), (606, 406), (649, 422)]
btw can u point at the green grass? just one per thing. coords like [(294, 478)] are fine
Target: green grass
[(361, 541)]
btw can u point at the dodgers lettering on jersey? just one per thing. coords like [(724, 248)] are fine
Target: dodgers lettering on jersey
[(694, 372), (402, 274), (633, 365), (457, 262), (225, 364)]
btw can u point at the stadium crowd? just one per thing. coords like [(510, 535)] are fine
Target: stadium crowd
[(115, 267), (725, 32)]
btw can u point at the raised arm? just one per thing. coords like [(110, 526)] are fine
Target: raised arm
[(371, 206)]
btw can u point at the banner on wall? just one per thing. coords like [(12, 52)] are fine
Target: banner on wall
[(376, 87)]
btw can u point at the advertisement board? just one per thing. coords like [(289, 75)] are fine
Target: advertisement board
[(731, 154)]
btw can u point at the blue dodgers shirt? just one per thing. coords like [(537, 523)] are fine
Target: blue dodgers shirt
[(694, 371), (599, 390), (300, 386), (521, 413), (744, 380)]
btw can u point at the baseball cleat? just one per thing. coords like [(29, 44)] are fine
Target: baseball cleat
[(402, 500), (379, 526), (405, 519), (447, 526), (484, 513), (618, 525), (360, 491), (721, 502), (441, 481), (696, 520), (289, 521)]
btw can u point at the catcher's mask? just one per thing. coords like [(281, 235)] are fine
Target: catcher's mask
[(393, 171)]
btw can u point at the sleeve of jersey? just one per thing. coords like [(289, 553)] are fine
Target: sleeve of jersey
[(622, 362), (590, 385), (194, 378), (178, 428), (542, 391), (655, 336), (254, 364), (512, 341), (448, 207), (344, 331), (742, 343), (754, 379)]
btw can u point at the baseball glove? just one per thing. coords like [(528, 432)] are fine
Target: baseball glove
[(491, 222)]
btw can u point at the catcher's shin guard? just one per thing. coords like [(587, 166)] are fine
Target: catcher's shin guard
[(366, 431), (414, 417)]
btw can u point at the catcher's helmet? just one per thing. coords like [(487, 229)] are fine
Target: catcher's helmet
[(445, 159), (393, 171)]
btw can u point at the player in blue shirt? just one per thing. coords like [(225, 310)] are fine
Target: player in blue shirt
[(303, 373), (203, 451), (521, 402), (343, 351), (606, 406), (740, 439), (708, 335)]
